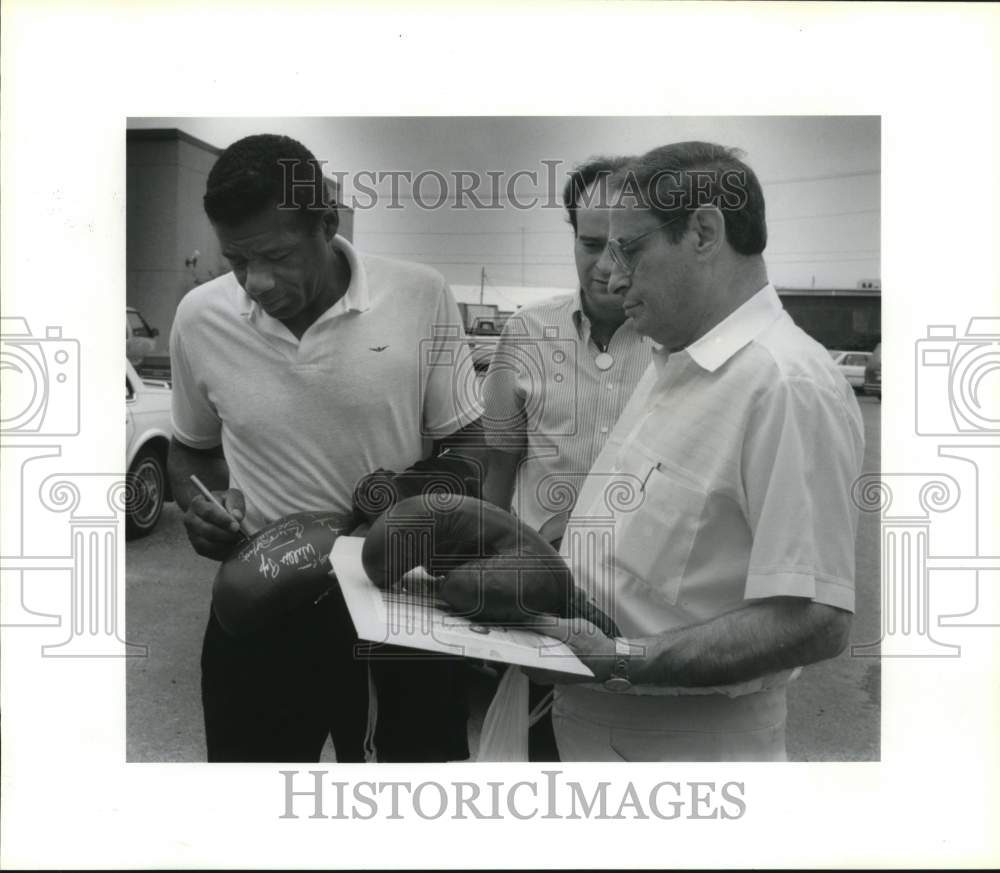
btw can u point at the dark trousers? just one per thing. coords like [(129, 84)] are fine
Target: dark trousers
[(276, 695), (541, 736), (423, 706)]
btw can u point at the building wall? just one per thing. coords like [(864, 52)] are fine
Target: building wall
[(194, 230), (151, 222)]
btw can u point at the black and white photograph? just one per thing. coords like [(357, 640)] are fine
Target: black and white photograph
[(506, 476), (505, 394)]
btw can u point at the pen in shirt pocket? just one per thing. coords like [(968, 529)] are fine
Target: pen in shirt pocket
[(656, 468)]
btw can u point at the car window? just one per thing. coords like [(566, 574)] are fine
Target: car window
[(139, 327)]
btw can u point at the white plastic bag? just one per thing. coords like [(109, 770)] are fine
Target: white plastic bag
[(505, 729)]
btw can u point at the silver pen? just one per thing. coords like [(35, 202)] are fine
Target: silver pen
[(208, 495)]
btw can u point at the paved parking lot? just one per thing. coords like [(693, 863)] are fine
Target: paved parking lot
[(834, 708)]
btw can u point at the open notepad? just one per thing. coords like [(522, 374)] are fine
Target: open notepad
[(420, 623)]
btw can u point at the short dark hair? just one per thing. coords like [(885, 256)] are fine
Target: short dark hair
[(266, 170), (583, 176), (673, 180)]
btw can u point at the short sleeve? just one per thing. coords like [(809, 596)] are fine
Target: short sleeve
[(801, 456), (450, 399), (195, 421), (504, 415)]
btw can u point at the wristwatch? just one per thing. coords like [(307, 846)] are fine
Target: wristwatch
[(618, 680)]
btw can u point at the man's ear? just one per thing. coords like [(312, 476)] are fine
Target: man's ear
[(331, 221), (709, 224)]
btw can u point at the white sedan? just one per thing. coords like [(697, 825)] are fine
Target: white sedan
[(147, 437), (140, 338), (852, 365)]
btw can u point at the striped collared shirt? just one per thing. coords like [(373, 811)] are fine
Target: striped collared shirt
[(546, 395)]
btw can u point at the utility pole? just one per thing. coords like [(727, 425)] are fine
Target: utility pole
[(482, 282)]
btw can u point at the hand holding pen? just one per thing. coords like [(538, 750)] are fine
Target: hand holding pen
[(215, 526)]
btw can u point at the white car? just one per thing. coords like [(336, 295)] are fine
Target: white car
[(140, 338), (147, 438), (852, 365)]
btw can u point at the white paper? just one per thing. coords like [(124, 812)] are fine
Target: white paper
[(403, 620)]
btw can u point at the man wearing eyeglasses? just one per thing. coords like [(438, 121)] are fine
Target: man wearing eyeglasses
[(559, 379), (727, 559)]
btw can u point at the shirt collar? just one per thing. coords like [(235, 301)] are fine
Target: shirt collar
[(736, 330), (582, 323), (580, 320), (355, 299)]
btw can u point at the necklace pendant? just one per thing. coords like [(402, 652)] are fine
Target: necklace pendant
[(604, 361)]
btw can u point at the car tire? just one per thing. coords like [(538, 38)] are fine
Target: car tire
[(146, 487)]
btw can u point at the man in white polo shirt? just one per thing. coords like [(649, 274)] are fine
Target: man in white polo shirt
[(723, 546), (294, 376)]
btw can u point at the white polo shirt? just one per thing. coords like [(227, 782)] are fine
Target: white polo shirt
[(733, 467), (544, 394), (377, 377)]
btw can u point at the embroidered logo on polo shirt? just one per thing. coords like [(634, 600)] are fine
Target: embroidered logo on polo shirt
[(377, 348)]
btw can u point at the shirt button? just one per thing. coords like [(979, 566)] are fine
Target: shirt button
[(604, 430), (611, 387)]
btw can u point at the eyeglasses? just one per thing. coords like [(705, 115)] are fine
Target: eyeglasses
[(617, 248)]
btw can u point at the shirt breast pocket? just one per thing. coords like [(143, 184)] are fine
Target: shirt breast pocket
[(653, 543)]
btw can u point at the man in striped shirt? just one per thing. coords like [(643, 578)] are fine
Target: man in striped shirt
[(559, 378), (561, 374)]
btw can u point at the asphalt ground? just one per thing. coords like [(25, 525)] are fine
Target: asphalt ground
[(834, 709)]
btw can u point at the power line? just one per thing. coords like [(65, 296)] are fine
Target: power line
[(824, 251), (825, 215), (563, 233), (816, 260), (392, 253), (486, 254), (821, 178), (513, 264), (509, 299), (548, 194), (464, 232)]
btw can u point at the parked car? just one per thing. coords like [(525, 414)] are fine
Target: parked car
[(140, 338), (852, 365), (147, 437), (483, 340), (872, 386)]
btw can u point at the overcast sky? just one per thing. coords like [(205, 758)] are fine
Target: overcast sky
[(820, 176)]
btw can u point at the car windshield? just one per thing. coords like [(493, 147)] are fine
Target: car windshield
[(139, 327)]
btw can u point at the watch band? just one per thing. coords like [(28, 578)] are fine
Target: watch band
[(619, 680)]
